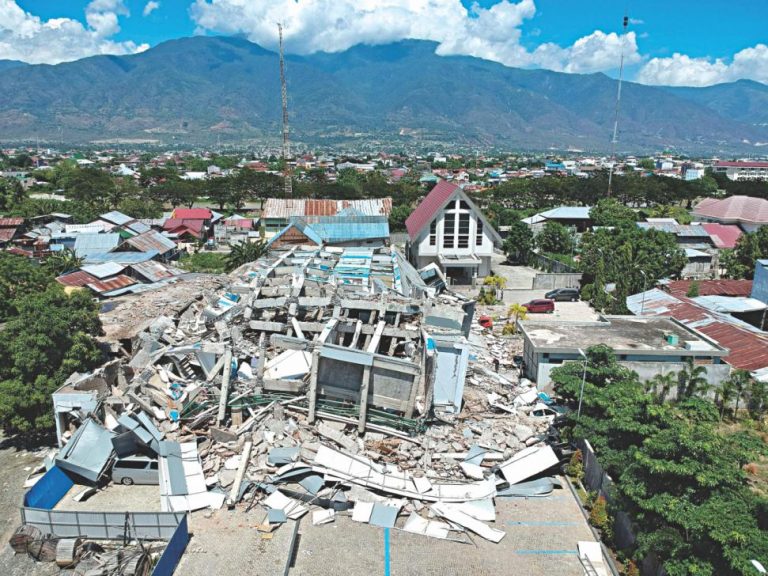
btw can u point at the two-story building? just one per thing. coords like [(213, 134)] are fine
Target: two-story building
[(449, 230)]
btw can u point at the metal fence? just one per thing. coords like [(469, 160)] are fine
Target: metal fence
[(103, 525), (596, 480)]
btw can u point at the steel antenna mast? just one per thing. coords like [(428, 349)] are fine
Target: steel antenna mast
[(287, 176), (615, 138)]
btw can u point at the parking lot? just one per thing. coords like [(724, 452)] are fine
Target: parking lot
[(564, 311)]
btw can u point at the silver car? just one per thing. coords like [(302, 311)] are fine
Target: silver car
[(135, 470)]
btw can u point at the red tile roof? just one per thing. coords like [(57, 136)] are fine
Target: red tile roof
[(723, 235), (742, 164), (734, 209), (192, 214), (743, 288), (428, 208)]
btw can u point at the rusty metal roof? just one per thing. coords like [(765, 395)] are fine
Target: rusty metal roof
[(748, 346), (155, 271), (81, 279), (284, 208), (151, 240), (11, 222), (7, 234), (711, 287)]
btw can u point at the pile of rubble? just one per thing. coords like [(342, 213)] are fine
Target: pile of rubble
[(317, 379)]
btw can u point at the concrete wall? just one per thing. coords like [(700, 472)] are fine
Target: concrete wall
[(715, 373), (551, 280)]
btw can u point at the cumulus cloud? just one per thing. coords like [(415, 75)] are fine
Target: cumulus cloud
[(26, 37), (334, 25), (150, 7), (682, 70)]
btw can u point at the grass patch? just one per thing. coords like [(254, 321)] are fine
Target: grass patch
[(205, 262)]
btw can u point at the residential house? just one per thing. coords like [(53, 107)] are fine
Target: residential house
[(9, 229), (447, 229), (744, 211), (576, 217), (693, 239), (747, 345)]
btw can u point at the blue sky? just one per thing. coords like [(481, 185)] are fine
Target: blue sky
[(670, 42)]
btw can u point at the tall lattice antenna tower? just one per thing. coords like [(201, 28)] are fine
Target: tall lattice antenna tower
[(287, 176), (615, 138)]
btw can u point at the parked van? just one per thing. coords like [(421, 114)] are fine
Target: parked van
[(135, 470)]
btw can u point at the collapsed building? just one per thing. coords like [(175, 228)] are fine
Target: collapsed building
[(316, 375)]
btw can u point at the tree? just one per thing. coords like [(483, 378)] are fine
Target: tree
[(64, 261), (398, 217), (517, 312), (245, 252), (692, 380), (739, 381), (555, 239), (610, 212), (518, 243), (18, 278), (51, 337), (660, 386), (633, 259), (750, 247)]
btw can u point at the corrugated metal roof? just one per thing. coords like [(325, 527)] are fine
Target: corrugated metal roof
[(748, 346), (126, 258), (151, 240), (138, 227), (91, 228), (86, 244), (681, 230), (723, 235), (284, 208), (116, 217), (192, 214), (155, 271), (7, 234), (711, 287), (350, 229), (693, 253), (11, 222), (103, 270), (76, 279), (81, 279), (729, 304), (567, 213), (427, 209)]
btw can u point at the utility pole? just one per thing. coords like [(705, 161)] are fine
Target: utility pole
[(287, 176), (615, 138)]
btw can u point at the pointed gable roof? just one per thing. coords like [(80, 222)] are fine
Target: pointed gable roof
[(429, 207), (435, 201)]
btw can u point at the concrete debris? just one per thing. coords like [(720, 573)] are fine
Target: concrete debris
[(328, 380)]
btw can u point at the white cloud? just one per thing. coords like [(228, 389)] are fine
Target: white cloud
[(26, 37), (682, 70), (150, 7), (335, 25)]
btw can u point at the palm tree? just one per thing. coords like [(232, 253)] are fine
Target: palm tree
[(64, 261), (739, 379), (727, 392), (245, 252), (691, 380), (517, 312), (660, 385)]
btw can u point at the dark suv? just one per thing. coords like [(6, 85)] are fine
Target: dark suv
[(563, 294)]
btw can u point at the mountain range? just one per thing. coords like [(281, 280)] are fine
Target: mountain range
[(203, 89)]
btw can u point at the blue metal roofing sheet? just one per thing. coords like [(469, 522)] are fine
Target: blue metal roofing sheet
[(120, 257), (86, 244)]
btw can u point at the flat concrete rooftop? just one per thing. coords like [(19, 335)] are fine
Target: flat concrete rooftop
[(633, 334)]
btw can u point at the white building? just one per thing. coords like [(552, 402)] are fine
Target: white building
[(448, 229), (742, 170)]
